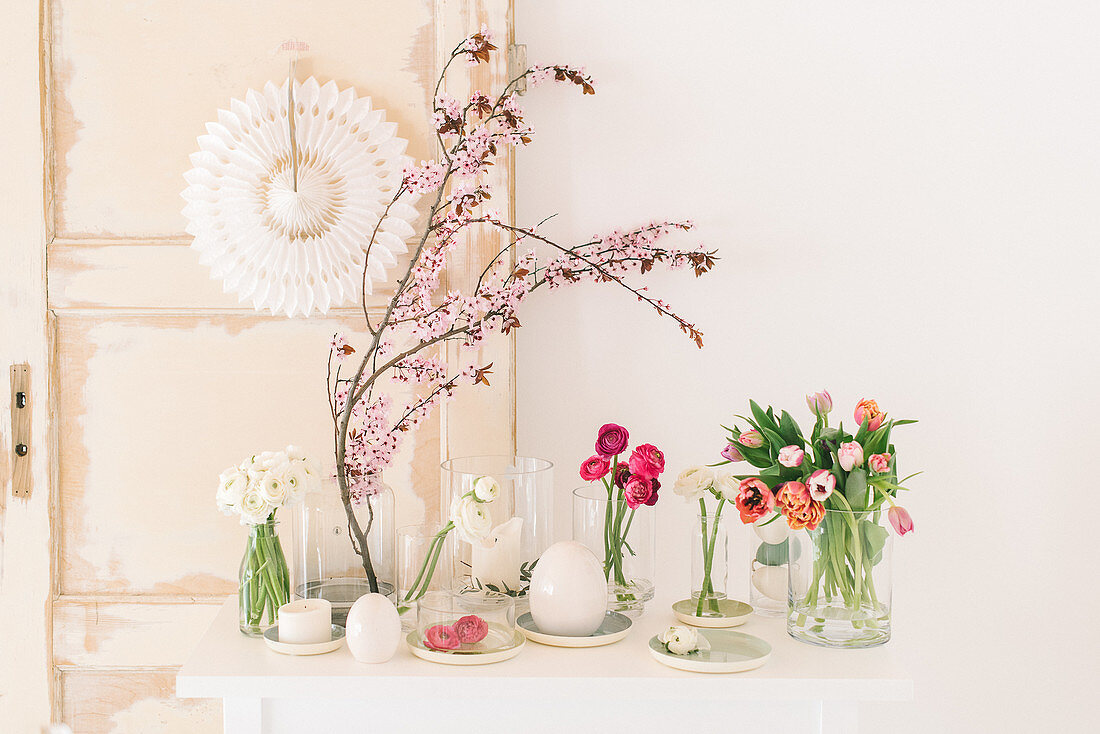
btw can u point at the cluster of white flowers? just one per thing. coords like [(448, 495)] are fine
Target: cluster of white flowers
[(469, 514), (695, 481), (262, 483)]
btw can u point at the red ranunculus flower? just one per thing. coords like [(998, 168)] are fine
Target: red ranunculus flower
[(647, 461), (594, 467), (611, 440), (441, 637), (638, 491), (471, 628)]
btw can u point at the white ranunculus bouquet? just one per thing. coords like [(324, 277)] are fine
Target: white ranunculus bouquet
[(264, 482)]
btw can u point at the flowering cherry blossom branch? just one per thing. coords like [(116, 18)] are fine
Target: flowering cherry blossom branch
[(471, 134)]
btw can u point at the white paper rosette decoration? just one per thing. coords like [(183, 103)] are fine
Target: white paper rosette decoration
[(295, 251)]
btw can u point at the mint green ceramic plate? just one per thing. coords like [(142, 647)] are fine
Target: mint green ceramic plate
[(730, 652), (731, 613)]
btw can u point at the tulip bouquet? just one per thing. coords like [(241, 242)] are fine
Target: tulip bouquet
[(254, 490), (630, 484), (836, 486)]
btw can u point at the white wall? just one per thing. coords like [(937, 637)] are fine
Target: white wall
[(905, 197)]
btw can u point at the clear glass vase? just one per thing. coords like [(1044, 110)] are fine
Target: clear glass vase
[(709, 574), (330, 562), (769, 549), (466, 622), (522, 521), (264, 579), (623, 540), (423, 567), (840, 585)]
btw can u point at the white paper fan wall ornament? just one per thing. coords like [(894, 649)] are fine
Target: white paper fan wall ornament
[(295, 251)]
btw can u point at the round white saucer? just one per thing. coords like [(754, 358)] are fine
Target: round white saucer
[(731, 613), (614, 627), (271, 637)]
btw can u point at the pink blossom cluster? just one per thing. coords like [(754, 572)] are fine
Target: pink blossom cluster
[(619, 253), (540, 74), (418, 368), (426, 177)]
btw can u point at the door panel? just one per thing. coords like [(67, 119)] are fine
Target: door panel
[(160, 379)]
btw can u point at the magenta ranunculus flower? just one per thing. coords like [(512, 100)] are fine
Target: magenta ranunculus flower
[(594, 467), (653, 495), (900, 519), (441, 637), (879, 463), (647, 461), (637, 492), (821, 484), (471, 628), (611, 440), (791, 456), (753, 439), (850, 455), (731, 453)]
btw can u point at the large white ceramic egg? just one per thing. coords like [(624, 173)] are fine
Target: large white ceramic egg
[(373, 629), (773, 532), (568, 591)]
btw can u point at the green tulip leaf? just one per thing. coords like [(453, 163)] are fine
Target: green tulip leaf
[(874, 539), (777, 554), (855, 489)]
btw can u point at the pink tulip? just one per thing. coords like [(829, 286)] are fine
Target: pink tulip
[(869, 410), (850, 455), (821, 403), (731, 453), (821, 484), (791, 456), (900, 519), (752, 439), (879, 463)]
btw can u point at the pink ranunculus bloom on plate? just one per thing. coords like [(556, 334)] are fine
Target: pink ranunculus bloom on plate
[(441, 637), (647, 461), (821, 484), (611, 440), (879, 463), (850, 455), (900, 519), (753, 439), (594, 467), (754, 500), (791, 456), (868, 410), (470, 629), (638, 491), (731, 453)]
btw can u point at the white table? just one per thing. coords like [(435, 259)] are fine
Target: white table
[(545, 689)]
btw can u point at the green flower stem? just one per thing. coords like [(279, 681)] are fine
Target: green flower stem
[(423, 580)]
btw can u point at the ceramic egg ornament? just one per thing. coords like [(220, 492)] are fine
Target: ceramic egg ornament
[(373, 629), (568, 591)]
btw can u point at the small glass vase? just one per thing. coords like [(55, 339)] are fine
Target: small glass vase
[(264, 579), (439, 611), (423, 567), (840, 586), (770, 546), (628, 567), (328, 559), (709, 558)]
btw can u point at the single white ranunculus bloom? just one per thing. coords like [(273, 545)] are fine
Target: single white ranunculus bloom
[(298, 481), (254, 508), (232, 484), (273, 486), (486, 489), (693, 482), (295, 453), (683, 640), (727, 485), (471, 519)]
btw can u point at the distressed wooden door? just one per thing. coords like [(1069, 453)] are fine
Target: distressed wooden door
[(147, 379)]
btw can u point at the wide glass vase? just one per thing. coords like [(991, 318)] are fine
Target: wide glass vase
[(521, 518), (264, 579), (623, 539), (709, 572), (770, 547), (840, 585), (343, 552)]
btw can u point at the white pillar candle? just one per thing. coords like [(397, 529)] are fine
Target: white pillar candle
[(497, 562), (305, 621)]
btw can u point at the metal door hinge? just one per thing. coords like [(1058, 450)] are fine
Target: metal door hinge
[(517, 64), (21, 431)]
